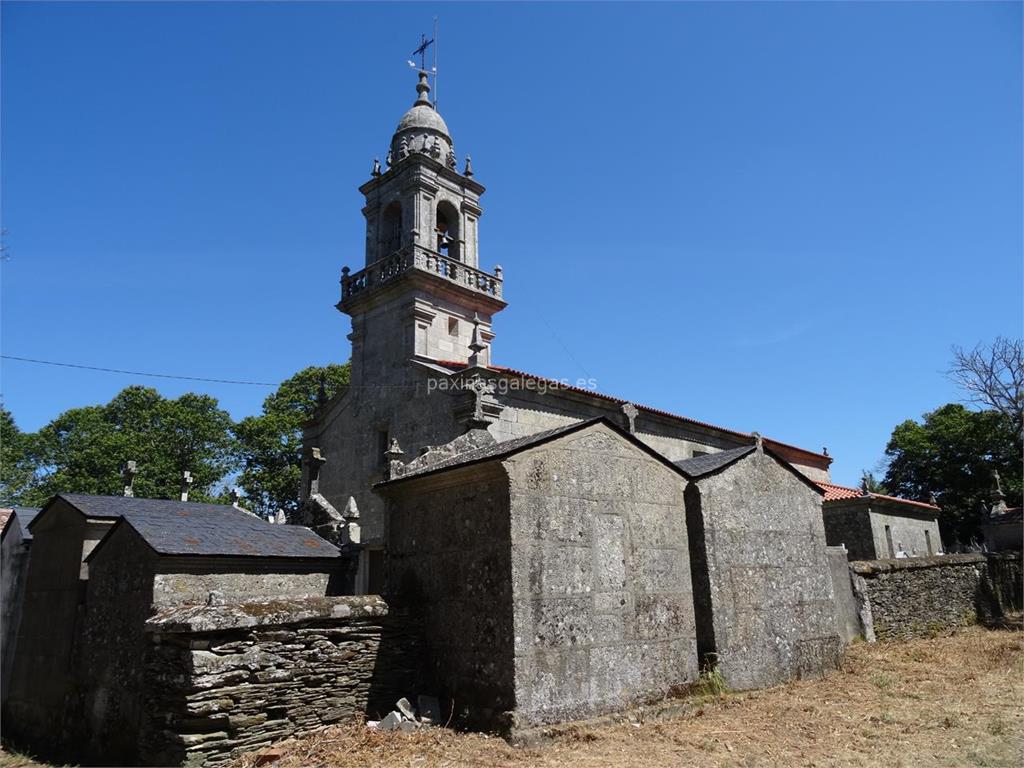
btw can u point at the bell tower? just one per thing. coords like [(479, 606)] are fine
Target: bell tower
[(421, 292)]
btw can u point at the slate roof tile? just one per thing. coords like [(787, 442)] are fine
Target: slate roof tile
[(188, 528)]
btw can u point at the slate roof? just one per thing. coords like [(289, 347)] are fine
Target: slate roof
[(699, 466), (187, 528), (745, 436), (24, 516), (509, 447), (835, 492), (495, 451)]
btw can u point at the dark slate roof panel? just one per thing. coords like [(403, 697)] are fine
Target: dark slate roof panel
[(226, 532), (188, 528), (495, 451), (25, 516), (699, 466)]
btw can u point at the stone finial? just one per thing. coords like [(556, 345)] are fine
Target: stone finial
[(314, 462), (351, 532), (468, 170), (933, 499), (128, 473), (758, 441), (389, 159), (630, 412), (498, 271), (476, 343), (824, 451), (393, 459), (376, 167), (351, 511), (186, 484), (235, 496), (422, 91), (280, 518)]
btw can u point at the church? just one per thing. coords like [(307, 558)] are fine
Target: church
[(423, 310), (568, 552), (523, 551)]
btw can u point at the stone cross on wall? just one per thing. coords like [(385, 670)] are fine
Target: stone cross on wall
[(1000, 506), (128, 473), (314, 461), (630, 412), (186, 484)]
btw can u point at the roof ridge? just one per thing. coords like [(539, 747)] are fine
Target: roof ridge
[(650, 409)]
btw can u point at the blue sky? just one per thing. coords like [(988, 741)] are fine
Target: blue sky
[(773, 216)]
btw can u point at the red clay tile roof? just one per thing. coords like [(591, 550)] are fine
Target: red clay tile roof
[(835, 492), (457, 366)]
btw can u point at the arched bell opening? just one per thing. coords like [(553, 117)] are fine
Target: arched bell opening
[(447, 230)]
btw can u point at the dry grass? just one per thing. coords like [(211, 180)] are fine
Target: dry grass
[(947, 701)]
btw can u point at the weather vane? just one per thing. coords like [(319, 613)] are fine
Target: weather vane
[(422, 53)]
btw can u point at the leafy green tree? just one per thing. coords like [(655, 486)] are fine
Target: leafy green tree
[(85, 449), (952, 452), (271, 443), (16, 466)]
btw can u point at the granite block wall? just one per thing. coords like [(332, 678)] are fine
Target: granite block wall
[(449, 560), (847, 608), (601, 593), (763, 587)]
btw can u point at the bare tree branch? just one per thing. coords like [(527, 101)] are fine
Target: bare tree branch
[(993, 377)]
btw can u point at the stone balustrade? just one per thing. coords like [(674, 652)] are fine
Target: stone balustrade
[(416, 257)]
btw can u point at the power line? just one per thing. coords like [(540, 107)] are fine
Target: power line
[(136, 373)]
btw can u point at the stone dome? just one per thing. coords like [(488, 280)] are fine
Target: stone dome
[(422, 117), (423, 131)]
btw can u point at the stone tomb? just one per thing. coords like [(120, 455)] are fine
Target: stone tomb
[(764, 598), (551, 572), (101, 566)]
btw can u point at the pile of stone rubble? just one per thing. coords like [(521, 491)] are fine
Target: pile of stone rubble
[(404, 718)]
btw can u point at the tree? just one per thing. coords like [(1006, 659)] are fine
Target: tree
[(271, 443), (953, 453), (993, 377), (85, 449), (16, 468)]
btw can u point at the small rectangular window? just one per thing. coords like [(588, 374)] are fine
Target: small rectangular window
[(888, 541), (928, 542), (453, 326)]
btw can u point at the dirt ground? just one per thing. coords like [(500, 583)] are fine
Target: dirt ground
[(956, 700)]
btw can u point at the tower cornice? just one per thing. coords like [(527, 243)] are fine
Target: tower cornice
[(427, 162)]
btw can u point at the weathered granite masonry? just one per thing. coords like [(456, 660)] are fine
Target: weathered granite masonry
[(553, 574), (222, 680), (915, 597), (847, 607), (763, 589)]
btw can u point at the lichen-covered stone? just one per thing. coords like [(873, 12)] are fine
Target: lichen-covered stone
[(215, 686)]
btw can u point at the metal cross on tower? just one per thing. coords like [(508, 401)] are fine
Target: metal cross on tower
[(422, 53)]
